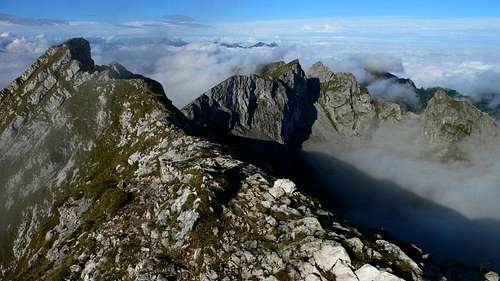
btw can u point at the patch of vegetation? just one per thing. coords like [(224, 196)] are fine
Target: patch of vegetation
[(276, 69), (111, 200), (61, 272), (273, 70), (283, 275)]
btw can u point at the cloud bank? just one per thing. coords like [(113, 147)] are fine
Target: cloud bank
[(188, 70), (398, 153), (392, 183), (469, 63)]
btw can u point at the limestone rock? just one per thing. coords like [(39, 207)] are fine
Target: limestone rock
[(275, 107), (388, 111), (329, 255), (285, 106), (370, 273), (320, 71), (449, 121), (344, 110), (282, 186), (343, 271)]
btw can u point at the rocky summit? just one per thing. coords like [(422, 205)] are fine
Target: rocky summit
[(102, 178)]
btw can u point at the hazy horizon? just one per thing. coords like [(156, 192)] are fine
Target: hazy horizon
[(430, 43)]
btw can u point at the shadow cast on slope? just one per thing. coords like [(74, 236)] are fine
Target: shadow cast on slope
[(385, 205), (378, 204)]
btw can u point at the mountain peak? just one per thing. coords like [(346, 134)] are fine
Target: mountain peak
[(80, 50), (441, 95), (279, 68), (447, 120), (289, 73), (320, 71)]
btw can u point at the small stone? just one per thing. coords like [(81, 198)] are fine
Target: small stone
[(75, 268), (155, 234), (276, 192), (356, 244), (370, 273), (343, 272), (328, 255), (49, 235), (287, 185)]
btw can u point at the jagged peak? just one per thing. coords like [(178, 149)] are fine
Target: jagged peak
[(277, 69), (118, 71), (79, 49), (447, 120), (290, 73), (441, 98), (56, 58), (320, 71), (441, 95)]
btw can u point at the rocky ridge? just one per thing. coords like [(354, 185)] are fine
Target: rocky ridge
[(284, 105), (142, 200), (274, 106), (329, 108), (448, 120)]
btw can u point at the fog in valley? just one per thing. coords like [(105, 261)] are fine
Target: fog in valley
[(394, 183)]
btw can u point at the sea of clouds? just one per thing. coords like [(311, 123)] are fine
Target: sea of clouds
[(188, 58), (393, 183)]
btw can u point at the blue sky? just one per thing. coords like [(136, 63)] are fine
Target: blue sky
[(245, 10)]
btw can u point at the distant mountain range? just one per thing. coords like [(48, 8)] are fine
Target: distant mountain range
[(425, 94), (256, 45)]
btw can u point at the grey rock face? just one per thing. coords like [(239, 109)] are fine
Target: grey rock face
[(285, 106), (452, 125), (344, 110), (388, 111), (257, 107), (289, 73), (320, 71), (449, 121)]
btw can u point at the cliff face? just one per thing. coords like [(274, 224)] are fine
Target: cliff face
[(450, 125), (344, 109), (100, 180), (285, 106), (449, 121), (273, 107)]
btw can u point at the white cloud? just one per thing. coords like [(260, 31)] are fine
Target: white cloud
[(398, 153), (387, 90), (426, 51), (36, 46), (185, 71)]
